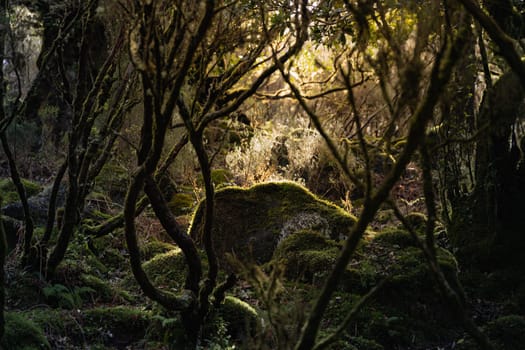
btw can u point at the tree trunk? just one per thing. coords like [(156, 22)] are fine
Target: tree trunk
[(487, 221), (3, 252)]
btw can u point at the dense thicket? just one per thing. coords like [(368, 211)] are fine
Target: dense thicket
[(132, 112)]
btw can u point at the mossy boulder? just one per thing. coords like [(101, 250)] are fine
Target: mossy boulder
[(417, 220), (113, 180), (181, 203), (23, 334), (111, 250), (395, 237), (38, 203), (251, 222), (167, 270), (9, 194), (241, 319), (62, 328), (102, 290), (411, 270), (153, 248), (394, 253), (306, 255), (118, 326)]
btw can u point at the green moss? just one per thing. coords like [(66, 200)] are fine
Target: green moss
[(306, 254), (109, 250), (119, 325), (155, 247), (23, 334), (395, 236), (220, 176), (384, 216), (361, 343), (167, 270), (250, 222), (338, 308), (59, 325), (411, 268), (113, 180), (24, 289), (417, 220), (8, 191), (361, 276), (241, 319), (79, 260), (181, 203), (102, 289)]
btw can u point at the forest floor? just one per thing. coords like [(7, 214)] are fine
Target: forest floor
[(94, 302)]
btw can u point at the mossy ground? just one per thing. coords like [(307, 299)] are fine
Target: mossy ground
[(94, 301)]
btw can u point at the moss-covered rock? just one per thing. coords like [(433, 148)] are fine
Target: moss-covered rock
[(23, 334), (155, 247), (119, 325), (250, 222), (9, 194), (417, 220), (395, 237), (306, 254), (111, 251), (409, 311), (181, 203), (102, 291), (411, 269), (241, 319), (38, 204), (113, 180), (62, 328), (167, 270)]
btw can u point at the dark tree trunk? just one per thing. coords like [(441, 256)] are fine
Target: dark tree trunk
[(3, 252), (486, 223)]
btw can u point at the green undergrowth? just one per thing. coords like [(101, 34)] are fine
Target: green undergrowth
[(167, 270), (407, 311), (153, 248), (241, 319), (94, 301), (9, 194), (307, 255), (505, 333), (181, 203), (23, 334)]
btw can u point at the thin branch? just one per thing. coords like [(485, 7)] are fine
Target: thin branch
[(343, 327), (424, 112)]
